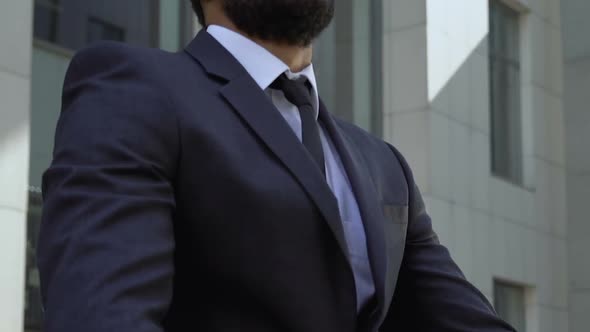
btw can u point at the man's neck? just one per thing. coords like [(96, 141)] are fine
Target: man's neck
[(296, 57)]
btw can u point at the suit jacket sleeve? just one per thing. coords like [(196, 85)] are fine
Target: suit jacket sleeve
[(432, 293), (106, 244)]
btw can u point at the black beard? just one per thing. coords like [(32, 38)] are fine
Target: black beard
[(292, 22)]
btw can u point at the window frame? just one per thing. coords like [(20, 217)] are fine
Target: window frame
[(56, 9), (60, 48), (500, 58), (53, 6), (104, 24), (524, 290)]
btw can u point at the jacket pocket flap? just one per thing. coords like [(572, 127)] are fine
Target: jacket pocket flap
[(398, 214)]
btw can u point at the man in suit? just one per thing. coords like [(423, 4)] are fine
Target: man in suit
[(211, 190)]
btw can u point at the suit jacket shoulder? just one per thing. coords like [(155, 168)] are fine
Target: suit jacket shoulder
[(114, 94), (385, 166)]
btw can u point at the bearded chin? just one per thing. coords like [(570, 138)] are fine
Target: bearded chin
[(292, 22)]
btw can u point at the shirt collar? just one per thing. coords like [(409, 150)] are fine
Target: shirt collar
[(263, 66)]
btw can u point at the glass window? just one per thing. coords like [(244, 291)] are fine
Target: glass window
[(46, 19), (100, 30), (505, 92), (509, 301), (74, 23)]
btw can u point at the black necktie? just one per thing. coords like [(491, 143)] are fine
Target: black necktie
[(298, 93)]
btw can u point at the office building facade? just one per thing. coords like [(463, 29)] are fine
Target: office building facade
[(485, 98)]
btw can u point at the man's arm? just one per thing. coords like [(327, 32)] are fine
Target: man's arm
[(431, 293), (106, 245)]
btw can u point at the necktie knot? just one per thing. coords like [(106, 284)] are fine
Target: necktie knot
[(297, 91)]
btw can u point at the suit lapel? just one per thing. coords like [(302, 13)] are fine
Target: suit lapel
[(367, 199), (256, 109)]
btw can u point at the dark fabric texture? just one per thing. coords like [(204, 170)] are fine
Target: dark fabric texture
[(298, 93), (178, 199)]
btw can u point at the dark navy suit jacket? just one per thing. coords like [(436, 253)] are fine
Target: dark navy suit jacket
[(179, 199)]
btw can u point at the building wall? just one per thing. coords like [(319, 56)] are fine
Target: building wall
[(577, 118), (435, 109), (15, 79), (437, 112)]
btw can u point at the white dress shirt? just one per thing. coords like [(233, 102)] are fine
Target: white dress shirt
[(264, 68)]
